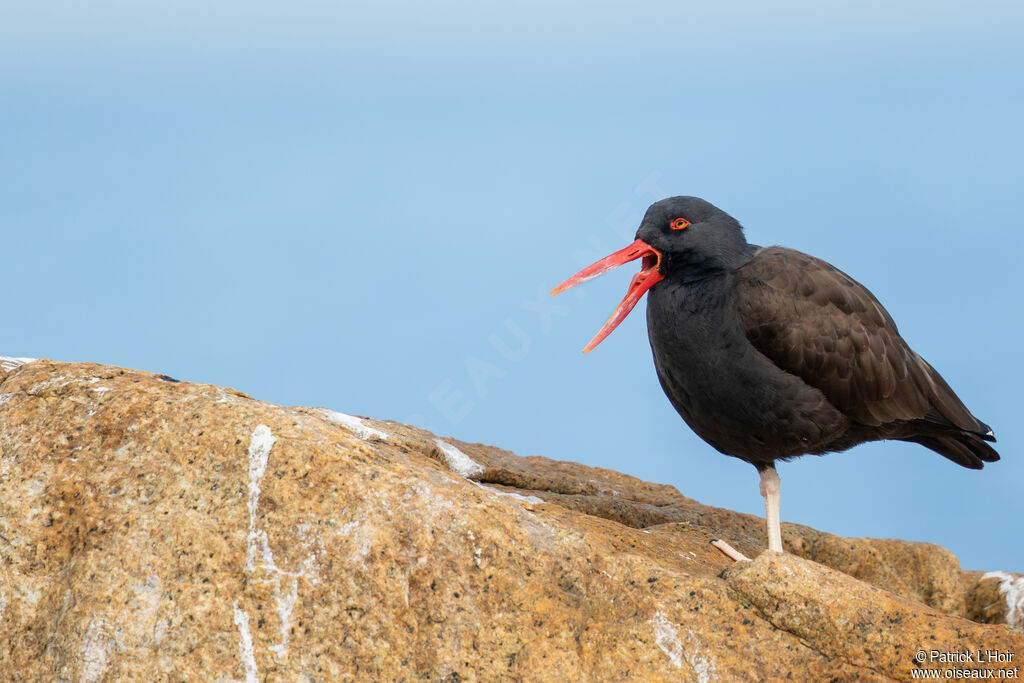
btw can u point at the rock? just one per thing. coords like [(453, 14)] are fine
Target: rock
[(995, 598), (154, 529), (922, 571), (865, 627)]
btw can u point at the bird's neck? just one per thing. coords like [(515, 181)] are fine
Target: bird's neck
[(723, 258)]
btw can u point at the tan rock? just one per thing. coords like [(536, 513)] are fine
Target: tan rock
[(859, 624), (153, 529), (995, 598)]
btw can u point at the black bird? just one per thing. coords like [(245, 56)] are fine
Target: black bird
[(768, 353)]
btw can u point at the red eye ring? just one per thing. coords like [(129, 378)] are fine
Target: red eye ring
[(679, 224)]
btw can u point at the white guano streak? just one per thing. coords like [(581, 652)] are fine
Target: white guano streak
[(259, 555), (259, 451), (8, 363), (353, 424), (1013, 588), (666, 638), (245, 648), (458, 462)]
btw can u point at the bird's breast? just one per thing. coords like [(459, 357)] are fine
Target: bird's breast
[(729, 393)]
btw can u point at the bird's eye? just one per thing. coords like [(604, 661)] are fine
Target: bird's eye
[(679, 223)]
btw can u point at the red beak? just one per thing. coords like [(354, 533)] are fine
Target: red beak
[(642, 281)]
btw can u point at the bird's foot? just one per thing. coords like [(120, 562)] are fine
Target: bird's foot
[(729, 551)]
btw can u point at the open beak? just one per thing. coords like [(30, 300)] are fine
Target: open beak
[(642, 281)]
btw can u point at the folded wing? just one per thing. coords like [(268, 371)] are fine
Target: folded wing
[(814, 321)]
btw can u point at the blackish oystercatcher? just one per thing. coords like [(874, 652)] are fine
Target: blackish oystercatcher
[(768, 353)]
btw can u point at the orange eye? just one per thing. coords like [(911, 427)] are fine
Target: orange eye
[(679, 223)]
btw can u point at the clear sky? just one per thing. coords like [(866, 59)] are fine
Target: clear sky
[(364, 207)]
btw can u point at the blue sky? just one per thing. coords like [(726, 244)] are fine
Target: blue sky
[(364, 207)]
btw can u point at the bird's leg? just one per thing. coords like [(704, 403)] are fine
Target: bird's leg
[(770, 490)]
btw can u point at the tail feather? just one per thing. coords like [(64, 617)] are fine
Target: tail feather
[(963, 448), (987, 433)]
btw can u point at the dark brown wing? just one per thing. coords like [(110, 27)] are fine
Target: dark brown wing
[(815, 321)]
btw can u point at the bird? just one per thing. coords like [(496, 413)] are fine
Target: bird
[(768, 353)]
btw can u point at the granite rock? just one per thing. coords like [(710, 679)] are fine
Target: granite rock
[(995, 598), (152, 529)]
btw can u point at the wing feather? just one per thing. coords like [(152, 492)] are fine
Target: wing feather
[(818, 323)]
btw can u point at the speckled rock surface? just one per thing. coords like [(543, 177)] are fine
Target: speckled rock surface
[(153, 529), (831, 611), (995, 598)]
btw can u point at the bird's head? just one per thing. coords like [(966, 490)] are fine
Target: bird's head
[(680, 237)]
